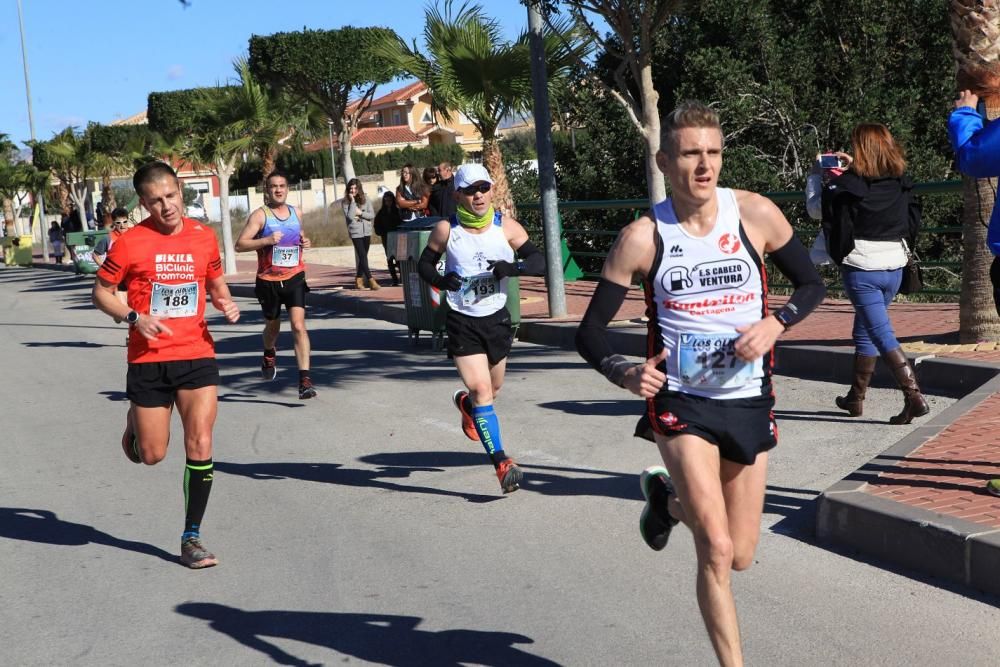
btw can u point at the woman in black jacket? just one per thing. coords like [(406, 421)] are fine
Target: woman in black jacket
[(387, 220), (870, 220)]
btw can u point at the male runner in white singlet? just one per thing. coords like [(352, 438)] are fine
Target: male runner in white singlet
[(707, 378)]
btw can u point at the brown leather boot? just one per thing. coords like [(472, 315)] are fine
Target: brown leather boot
[(864, 366), (915, 405), (372, 284), (359, 283)]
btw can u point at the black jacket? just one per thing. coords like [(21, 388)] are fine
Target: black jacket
[(880, 209), (441, 202)]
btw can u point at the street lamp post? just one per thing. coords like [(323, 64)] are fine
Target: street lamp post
[(40, 196), (546, 167), (333, 158)]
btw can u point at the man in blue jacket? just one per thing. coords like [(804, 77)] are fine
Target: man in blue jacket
[(977, 154)]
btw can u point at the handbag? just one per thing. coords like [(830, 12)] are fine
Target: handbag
[(913, 275), (819, 254)]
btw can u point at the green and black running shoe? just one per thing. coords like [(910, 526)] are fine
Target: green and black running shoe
[(655, 522)]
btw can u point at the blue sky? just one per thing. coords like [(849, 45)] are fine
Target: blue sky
[(99, 60)]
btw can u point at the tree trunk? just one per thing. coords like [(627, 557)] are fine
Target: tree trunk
[(269, 162), (651, 135), (228, 249), (493, 161), (977, 315), (78, 193), (346, 164), (107, 198), (11, 226)]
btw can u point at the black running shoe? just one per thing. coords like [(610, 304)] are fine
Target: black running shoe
[(655, 522), (268, 368), (306, 389)]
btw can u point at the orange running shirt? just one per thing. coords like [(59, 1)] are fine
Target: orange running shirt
[(166, 276)]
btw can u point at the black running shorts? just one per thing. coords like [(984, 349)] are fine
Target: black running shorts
[(154, 385), (273, 294), (740, 427), (491, 335)]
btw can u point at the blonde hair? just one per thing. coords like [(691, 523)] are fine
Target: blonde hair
[(689, 113), (876, 153)]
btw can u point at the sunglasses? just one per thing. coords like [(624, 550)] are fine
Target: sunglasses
[(470, 190)]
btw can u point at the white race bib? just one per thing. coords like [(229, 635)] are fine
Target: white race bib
[(285, 256), (174, 300), (709, 360), (478, 288)]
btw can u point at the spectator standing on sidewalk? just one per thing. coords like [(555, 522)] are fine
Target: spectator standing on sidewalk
[(442, 200), (870, 226), (387, 220), (411, 194), (977, 154), (56, 239), (359, 214)]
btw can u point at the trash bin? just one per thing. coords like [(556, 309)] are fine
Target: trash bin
[(82, 245), (426, 308), (17, 250)]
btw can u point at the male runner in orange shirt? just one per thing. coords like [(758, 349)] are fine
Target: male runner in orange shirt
[(170, 263)]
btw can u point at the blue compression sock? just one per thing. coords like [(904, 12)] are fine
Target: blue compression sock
[(488, 428)]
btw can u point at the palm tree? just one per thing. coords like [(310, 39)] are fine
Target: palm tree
[(71, 160), (262, 120), (470, 68), (975, 27)]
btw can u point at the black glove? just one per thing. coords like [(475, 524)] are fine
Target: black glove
[(503, 269), (451, 281)]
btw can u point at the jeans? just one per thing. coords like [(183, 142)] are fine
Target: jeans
[(871, 292), (361, 245)]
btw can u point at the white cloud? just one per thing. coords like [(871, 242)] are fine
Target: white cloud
[(175, 72)]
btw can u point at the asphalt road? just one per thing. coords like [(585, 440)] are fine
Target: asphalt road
[(361, 527)]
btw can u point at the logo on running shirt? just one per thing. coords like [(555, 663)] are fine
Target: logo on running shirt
[(480, 259), (175, 266), (729, 243), (718, 275), (676, 251)]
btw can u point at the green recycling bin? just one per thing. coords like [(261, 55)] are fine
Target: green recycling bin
[(17, 250), (82, 245), (426, 307)]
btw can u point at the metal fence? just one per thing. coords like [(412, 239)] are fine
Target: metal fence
[(587, 243)]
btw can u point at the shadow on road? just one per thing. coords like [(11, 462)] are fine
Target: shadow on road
[(375, 638), (335, 473), (583, 482), (44, 527)]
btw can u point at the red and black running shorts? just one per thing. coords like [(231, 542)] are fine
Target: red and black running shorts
[(740, 427)]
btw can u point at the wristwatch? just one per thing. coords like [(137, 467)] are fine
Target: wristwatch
[(132, 318)]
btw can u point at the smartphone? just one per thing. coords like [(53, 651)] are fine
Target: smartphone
[(981, 108), (829, 161)]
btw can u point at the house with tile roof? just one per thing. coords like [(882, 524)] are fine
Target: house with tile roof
[(403, 117)]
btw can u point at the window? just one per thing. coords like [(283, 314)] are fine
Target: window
[(397, 117)]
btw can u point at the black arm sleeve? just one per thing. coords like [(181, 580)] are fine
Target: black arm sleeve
[(792, 259), (427, 266), (591, 338), (532, 260)]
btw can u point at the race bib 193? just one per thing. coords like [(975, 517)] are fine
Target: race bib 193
[(478, 288), (285, 256), (174, 300), (709, 360)]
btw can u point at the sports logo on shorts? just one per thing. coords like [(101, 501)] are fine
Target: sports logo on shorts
[(667, 418), (729, 243)]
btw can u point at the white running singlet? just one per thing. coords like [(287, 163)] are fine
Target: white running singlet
[(701, 289), (468, 255)]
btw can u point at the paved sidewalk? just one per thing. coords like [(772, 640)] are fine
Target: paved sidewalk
[(921, 504)]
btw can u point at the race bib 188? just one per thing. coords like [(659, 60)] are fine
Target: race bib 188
[(174, 300)]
